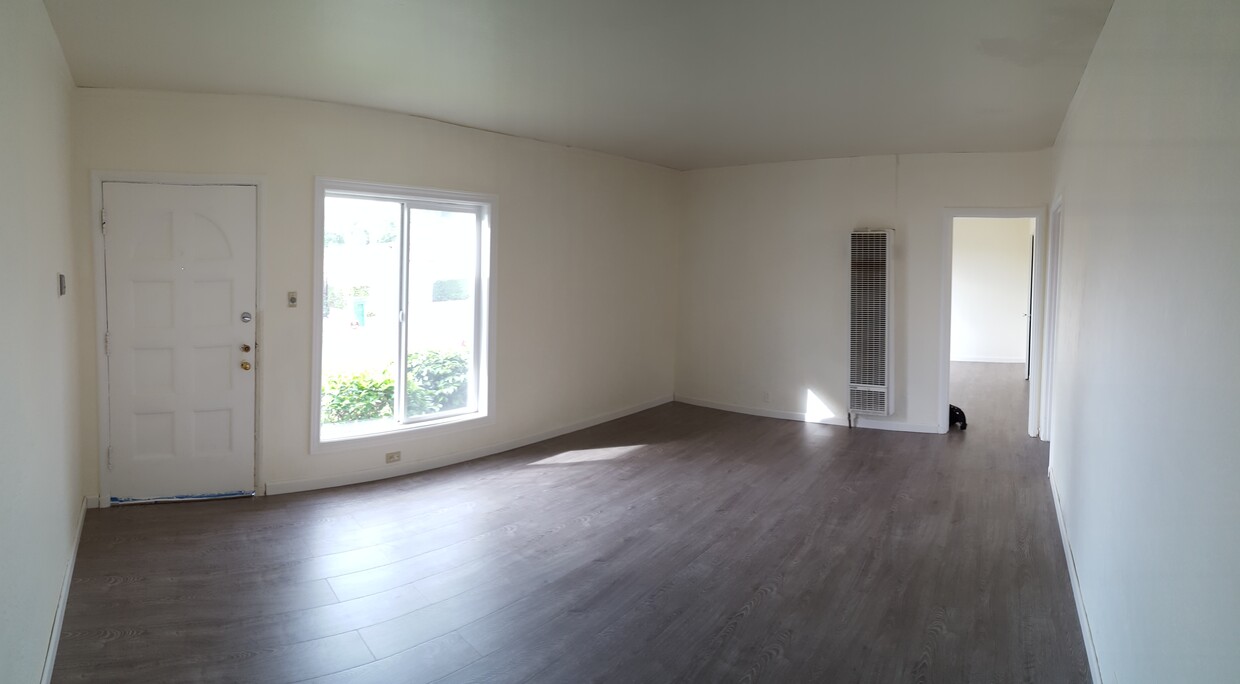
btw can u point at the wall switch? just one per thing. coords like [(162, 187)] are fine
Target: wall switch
[(292, 300), (392, 456)]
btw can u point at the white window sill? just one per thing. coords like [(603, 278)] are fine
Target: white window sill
[(363, 435)]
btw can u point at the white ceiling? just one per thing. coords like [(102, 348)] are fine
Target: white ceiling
[(681, 83)]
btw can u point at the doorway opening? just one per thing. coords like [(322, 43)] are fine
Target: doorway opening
[(992, 350)]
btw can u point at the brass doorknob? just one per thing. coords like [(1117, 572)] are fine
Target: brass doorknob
[(245, 365), (245, 347)]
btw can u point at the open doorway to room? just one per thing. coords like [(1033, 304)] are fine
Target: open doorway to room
[(992, 328)]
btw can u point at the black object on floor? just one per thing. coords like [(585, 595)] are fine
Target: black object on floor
[(955, 415)]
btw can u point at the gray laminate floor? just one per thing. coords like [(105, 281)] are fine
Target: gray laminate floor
[(678, 544)]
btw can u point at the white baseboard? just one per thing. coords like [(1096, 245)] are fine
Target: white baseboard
[(859, 421), (765, 413), (1087, 632), (372, 474), (92, 502), (49, 661), (989, 359), (875, 424)]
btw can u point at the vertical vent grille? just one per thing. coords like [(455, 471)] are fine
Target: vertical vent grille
[(870, 335)]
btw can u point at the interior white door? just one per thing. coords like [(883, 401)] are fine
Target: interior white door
[(181, 274)]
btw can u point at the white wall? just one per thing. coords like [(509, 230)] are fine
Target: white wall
[(764, 278), (1145, 454), (40, 491), (990, 289), (584, 250)]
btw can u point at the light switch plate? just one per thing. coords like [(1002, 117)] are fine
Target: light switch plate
[(292, 299)]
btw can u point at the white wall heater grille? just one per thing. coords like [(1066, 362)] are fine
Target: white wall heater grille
[(869, 385)]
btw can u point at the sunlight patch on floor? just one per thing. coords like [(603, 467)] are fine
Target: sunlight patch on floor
[(588, 455)]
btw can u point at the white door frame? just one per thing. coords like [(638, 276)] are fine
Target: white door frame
[(97, 179), (1054, 250), (1038, 214)]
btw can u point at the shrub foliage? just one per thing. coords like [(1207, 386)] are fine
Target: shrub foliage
[(434, 382)]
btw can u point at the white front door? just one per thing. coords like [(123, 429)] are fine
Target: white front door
[(180, 272)]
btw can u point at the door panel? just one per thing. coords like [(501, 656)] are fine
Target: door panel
[(180, 271)]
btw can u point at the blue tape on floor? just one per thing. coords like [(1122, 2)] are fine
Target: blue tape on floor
[(184, 497)]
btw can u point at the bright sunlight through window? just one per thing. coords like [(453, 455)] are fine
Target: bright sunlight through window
[(401, 333), (816, 410)]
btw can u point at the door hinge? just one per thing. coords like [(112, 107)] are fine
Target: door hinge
[(103, 220), (109, 457), (107, 343)]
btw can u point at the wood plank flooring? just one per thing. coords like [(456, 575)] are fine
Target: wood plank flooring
[(681, 544)]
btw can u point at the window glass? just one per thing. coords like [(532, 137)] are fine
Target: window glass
[(443, 253), (361, 286)]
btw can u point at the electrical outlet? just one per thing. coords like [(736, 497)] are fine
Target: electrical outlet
[(766, 397), (392, 456)]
